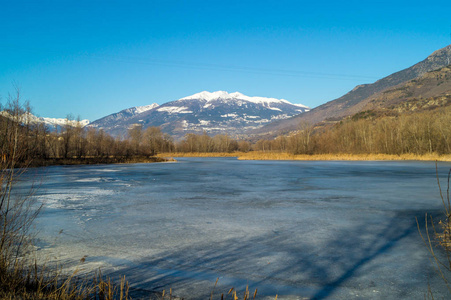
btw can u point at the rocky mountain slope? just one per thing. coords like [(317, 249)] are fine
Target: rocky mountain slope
[(359, 98), (51, 123), (214, 113), (114, 121), (430, 90)]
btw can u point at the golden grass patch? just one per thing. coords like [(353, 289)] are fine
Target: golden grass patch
[(342, 156), (260, 155)]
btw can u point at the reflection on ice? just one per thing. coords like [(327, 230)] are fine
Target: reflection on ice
[(323, 230)]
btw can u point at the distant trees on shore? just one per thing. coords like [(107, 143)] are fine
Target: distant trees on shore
[(207, 144), (410, 133), (34, 141), (365, 133)]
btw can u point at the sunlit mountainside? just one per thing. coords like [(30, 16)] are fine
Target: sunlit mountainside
[(404, 86), (215, 113)]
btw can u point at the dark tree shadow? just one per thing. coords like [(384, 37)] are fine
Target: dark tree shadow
[(281, 262)]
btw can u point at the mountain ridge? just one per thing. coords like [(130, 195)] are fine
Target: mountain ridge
[(123, 115), (211, 112), (51, 122), (356, 99)]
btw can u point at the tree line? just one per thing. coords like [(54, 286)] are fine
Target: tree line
[(371, 133), (36, 141), (364, 133)]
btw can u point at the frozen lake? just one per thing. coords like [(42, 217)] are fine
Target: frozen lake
[(302, 230)]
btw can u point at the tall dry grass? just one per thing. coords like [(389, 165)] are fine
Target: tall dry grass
[(32, 282), (233, 293), (256, 155), (276, 155), (436, 236)]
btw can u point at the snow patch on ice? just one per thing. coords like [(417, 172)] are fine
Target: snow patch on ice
[(95, 179)]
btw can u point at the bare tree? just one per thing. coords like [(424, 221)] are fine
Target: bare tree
[(135, 134), (17, 212), (67, 135)]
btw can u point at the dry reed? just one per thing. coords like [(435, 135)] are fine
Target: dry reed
[(440, 239), (268, 155), (257, 155)]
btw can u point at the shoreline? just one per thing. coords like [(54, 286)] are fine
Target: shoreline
[(257, 155), (93, 161)]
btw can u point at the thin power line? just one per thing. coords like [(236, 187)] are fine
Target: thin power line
[(206, 66)]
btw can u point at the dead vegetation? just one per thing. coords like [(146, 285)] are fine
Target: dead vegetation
[(437, 239), (21, 275)]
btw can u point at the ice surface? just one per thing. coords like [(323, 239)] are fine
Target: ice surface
[(322, 230)]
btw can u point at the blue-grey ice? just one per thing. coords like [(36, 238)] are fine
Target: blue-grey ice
[(301, 230)]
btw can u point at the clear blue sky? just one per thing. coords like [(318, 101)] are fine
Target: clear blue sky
[(93, 58)]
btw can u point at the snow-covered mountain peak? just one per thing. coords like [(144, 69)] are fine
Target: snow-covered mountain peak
[(210, 96), (28, 118), (141, 109), (212, 112), (237, 95), (63, 122)]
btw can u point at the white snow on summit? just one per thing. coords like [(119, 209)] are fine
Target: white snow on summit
[(207, 96), (32, 119), (175, 109), (62, 122), (141, 109)]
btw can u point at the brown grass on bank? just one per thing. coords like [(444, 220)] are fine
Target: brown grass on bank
[(260, 155), (32, 282), (444, 234), (437, 238), (234, 293), (342, 156)]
